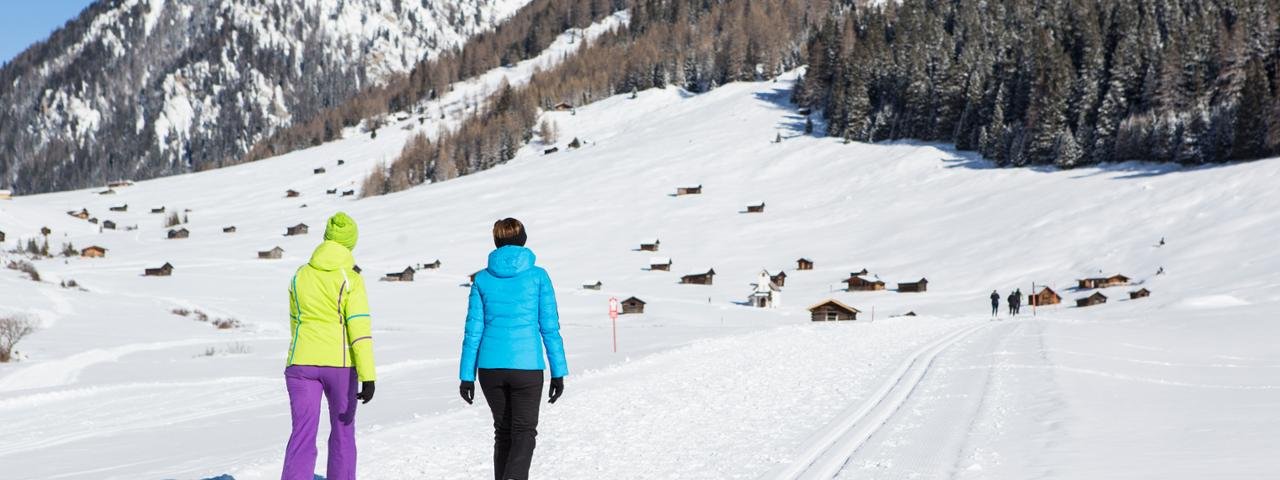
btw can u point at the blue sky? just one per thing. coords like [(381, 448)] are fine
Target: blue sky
[(24, 22)]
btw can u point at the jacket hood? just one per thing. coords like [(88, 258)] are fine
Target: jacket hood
[(509, 261), (330, 256)]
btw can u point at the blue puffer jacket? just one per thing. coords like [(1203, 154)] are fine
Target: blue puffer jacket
[(511, 314)]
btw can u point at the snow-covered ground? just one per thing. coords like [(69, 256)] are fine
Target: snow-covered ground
[(1184, 384)]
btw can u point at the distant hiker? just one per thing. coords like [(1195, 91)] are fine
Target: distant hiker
[(1013, 304), (511, 316), (1017, 301), (1161, 241), (1160, 271), (995, 303), (330, 350)]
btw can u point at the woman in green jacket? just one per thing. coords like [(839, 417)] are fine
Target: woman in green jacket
[(331, 348)]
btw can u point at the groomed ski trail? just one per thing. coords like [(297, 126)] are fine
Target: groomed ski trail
[(828, 453)]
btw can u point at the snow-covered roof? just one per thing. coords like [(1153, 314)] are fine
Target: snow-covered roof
[(659, 261), (649, 241)]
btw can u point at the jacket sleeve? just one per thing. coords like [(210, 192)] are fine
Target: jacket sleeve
[(472, 332), (359, 328), (549, 325)]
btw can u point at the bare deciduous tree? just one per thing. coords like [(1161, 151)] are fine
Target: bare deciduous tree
[(12, 330)]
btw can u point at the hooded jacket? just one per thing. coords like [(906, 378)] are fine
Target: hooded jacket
[(329, 313), (511, 315)]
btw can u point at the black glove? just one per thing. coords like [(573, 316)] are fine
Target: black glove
[(468, 391), (557, 388), (366, 392)]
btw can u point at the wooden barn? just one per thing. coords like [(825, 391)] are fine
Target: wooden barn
[(632, 305), (596, 285), (831, 311), (551, 150), (299, 229), (291, 193), (120, 183), (273, 254), (757, 208), (348, 193), (93, 220), (405, 275), (318, 171), (83, 214), (434, 265), (231, 229), (157, 210), (1139, 293), (699, 278), (860, 283), (660, 263), (331, 191), (563, 107), (918, 286), (121, 208), (109, 224), (179, 234), (804, 264), (694, 190), (164, 271), (765, 293), (780, 278), (1046, 296), (650, 245), (1103, 282), (1096, 299), (93, 252)]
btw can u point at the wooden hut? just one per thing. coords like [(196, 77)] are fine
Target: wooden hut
[(121, 208), (405, 275), (632, 305), (804, 264), (299, 229), (291, 193), (318, 170), (780, 278), (157, 210), (1, 236), (650, 245), (918, 286), (551, 150), (693, 190), (348, 193), (93, 220), (1103, 282), (331, 191), (231, 229), (109, 224), (1096, 299), (1139, 293), (757, 208), (83, 214), (660, 263), (164, 271), (699, 278), (596, 285), (563, 107), (342, 162), (93, 252), (832, 310), (860, 283), (273, 254), (432, 266), (120, 183), (179, 233), (575, 143), (1046, 296)]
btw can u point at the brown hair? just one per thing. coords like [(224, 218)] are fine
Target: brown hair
[(508, 231)]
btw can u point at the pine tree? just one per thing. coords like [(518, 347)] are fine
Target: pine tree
[(1069, 153), (1250, 129)]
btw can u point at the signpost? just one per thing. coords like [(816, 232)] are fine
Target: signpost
[(613, 315)]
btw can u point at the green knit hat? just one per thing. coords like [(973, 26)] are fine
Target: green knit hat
[(342, 229)]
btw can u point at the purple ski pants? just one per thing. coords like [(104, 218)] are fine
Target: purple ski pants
[(306, 384)]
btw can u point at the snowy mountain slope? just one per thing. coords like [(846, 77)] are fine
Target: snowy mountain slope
[(134, 88), (703, 386)]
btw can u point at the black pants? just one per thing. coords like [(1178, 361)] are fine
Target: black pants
[(514, 397)]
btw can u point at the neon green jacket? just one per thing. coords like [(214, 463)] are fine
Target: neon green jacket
[(329, 313)]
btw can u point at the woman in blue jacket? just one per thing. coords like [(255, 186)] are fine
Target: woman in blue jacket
[(511, 316)]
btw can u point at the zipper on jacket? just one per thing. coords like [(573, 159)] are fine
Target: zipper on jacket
[(342, 319)]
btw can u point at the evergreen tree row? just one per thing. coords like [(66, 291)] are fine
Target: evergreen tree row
[(1065, 82)]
